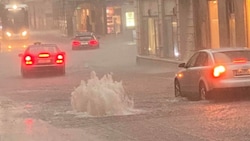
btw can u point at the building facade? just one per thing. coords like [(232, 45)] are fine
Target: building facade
[(98, 16), (157, 34), (72, 16), (40, 14), (174, 29)]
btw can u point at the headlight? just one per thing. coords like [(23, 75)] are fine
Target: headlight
[(24, 33), (8, 34)]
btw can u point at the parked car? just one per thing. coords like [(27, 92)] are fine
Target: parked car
[(42, 58), (211, 72), (85, 40)]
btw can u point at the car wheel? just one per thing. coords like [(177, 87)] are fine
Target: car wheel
[(177, 89), (203, 93)]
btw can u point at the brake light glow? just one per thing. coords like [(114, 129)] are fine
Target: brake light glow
[(28, 60), (218, 70), (76, 43), (44, 55), (93, 42), (60, 59), (240, 60)]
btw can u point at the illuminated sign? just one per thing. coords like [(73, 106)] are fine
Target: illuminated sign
[(15, 7), (130, 19)]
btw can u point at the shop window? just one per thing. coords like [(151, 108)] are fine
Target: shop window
[(113, 20)]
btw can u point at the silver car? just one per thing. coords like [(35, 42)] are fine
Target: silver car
[(211, 71)]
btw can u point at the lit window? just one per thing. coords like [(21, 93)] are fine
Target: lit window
[(130, 19)]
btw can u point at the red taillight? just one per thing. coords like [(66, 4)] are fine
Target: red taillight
[(28, 60), (76, 43), (59, 59), (93, 42), (218, 70), (240, 60)]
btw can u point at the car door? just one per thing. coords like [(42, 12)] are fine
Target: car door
[(198, 70), (187, 73)]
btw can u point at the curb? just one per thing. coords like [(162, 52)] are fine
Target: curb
[(155, 60)]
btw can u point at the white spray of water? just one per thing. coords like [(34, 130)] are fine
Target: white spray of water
[(100, 97)]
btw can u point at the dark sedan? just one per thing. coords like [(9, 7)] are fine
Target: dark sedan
[(85, 40)]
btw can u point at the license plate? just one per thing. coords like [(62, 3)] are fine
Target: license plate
[(84, 43), (243, 72), (44, 61)]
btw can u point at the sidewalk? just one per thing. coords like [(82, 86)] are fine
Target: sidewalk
[(148, 64)]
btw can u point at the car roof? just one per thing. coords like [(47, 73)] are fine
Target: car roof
[(225, 49)]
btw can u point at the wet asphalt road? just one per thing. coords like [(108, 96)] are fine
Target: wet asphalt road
[(38, 108)]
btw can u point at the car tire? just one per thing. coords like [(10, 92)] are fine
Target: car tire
[(200, 95), (203, 93), (177, 89)]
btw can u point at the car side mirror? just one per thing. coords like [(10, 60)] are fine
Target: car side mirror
[(182, 65)]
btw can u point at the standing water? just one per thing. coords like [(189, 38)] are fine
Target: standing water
[(101, 97)]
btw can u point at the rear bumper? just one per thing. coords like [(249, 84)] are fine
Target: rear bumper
[(85, 47), (230, 84), (47, 68)]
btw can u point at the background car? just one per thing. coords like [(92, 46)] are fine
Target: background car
[(213, 71), (42, 58), (85, 40)]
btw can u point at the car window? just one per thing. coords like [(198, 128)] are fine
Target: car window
[(202, 59), (192, 60), (230, 56), (36, 50), (84, 38)]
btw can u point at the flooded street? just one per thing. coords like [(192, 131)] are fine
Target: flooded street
[(39, 108)]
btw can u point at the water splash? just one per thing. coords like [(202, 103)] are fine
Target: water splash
[(101, 97)]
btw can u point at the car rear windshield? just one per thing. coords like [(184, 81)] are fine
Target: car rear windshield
[(231, 56), (84, 38), (37, 50)]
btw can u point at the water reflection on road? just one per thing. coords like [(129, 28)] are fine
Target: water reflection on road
[(10, 46), (15, 127)]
